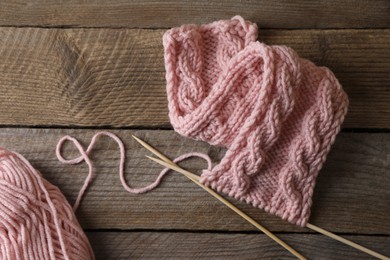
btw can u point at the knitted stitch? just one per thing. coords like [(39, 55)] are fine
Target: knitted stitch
[(276, 113)]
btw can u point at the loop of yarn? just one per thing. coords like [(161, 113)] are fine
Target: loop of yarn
[(36, 221), (276, 113), (84, 156)]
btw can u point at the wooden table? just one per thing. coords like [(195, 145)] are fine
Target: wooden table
[(76, 68)]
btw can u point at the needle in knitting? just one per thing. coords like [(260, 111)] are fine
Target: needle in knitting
[(166, 162), (195, 178)]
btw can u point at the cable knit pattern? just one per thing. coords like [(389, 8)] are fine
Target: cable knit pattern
[(276, 113)]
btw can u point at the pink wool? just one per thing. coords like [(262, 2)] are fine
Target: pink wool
[(36, 221), (276, 113)]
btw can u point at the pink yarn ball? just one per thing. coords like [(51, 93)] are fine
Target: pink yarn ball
[(36, 221)]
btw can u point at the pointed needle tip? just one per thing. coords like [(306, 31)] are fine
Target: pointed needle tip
[(136, 138), (142, 142)]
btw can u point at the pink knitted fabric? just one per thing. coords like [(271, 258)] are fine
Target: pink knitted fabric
[(276, 113)]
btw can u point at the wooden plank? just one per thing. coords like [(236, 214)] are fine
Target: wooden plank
[(352, 193), (168, 245), (115, 77), (163, 14)]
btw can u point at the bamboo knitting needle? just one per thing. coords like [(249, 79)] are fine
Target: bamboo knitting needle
[(195, 178), (346, 241)]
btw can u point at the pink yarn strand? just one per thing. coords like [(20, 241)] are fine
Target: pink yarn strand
[(84, 156)]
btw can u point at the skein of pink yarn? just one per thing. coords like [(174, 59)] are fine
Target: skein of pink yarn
[(36, 221)]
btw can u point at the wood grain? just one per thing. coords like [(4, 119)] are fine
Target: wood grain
[(163, 14), (115, 77), (351, 195), (167, 245)]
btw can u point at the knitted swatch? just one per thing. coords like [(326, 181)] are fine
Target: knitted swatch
[(36, 221), (276, 113)]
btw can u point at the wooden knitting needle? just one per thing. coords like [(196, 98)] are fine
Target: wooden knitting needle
[(166, 162), (195, 178), (346, 241)]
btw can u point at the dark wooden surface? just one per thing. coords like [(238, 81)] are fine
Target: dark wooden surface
[(108, 73), (183, 245), (115, 77), (163, 14)]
